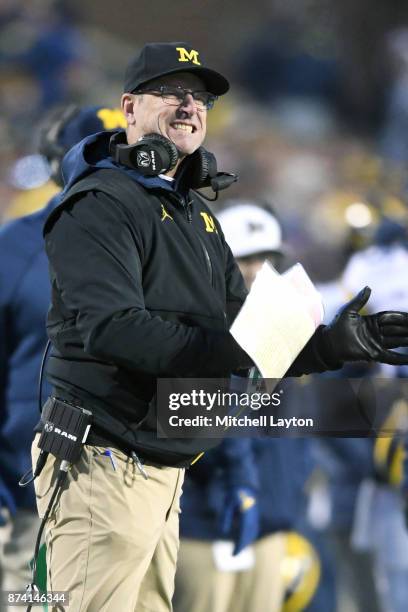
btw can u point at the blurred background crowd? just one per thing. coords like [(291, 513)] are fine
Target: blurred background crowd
[(316, 126), (315, 121)]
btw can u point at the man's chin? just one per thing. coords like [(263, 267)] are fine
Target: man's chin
[(185, 152), (185, 146)]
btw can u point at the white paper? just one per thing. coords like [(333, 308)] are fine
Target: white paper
[(300, 280), (225, 561), (278, 317)]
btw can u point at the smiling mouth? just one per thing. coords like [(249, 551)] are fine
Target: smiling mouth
[(190, 129)]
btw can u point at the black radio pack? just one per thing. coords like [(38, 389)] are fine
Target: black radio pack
[(66, 427)]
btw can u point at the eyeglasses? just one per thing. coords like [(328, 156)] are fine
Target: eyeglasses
[(174, 96)]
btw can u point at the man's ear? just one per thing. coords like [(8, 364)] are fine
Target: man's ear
[(127, 104)]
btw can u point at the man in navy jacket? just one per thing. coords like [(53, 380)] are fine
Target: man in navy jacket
[(24, 301)]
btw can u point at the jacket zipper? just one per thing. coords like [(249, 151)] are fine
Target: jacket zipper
[(207, 260), (187, 209), (186, 205)]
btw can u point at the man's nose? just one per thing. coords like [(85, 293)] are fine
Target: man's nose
[(188, 105)]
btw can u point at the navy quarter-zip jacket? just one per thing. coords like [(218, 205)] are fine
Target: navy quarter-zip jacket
[(143, 286)]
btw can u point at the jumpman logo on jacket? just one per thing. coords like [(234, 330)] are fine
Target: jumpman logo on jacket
[(165, 214)]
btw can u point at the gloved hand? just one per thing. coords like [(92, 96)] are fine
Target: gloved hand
[(241, 505), (354, 337)]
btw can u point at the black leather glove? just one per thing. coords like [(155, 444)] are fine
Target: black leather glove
[(354, 337)]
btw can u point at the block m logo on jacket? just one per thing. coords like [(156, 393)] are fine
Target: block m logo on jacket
[(209, 222)]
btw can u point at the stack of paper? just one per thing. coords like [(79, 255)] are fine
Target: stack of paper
[(277, 319)]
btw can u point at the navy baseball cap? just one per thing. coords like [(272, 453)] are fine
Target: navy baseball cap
[(89, 120), (157, 59), (65, 126)]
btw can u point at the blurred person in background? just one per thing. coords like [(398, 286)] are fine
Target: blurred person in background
[(343, 463), (393, 141), (250, 491), (41, 40), (33, 176), (365, 474), (379, 507), (24, 301), (279, 63), (29, 176)]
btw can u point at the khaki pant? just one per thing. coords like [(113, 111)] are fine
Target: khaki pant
[(200, 587), (112, 538)]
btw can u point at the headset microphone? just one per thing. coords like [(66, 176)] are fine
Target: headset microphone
[(223, 180)]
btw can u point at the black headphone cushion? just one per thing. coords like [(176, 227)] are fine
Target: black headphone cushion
[(202, 168)]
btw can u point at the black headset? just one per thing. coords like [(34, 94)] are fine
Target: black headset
[(154, 154)]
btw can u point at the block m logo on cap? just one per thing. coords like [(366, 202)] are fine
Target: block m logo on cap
[(188, 56)]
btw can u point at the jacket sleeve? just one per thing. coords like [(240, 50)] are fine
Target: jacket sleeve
[(95, 255), (315, 357)]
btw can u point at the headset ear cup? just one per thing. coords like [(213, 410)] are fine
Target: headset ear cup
[(164, 148), (151, 155), (203, 167)]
